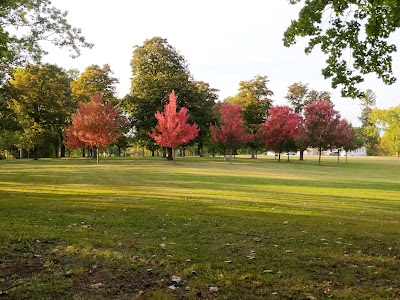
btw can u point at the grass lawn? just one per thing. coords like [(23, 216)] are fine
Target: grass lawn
[(144, 228)]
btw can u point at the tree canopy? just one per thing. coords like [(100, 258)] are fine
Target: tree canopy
[(93, 81), (42, 104), (157, 69), (358, 29), (96, 124), (172, 128), (24, 24), (231, 132)]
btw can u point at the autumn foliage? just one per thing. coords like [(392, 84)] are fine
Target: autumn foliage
[(173, 129), (321, 125), (95, 125), (232, 131), (281, 128)]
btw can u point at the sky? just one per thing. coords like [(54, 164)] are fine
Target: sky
[(224, 42)]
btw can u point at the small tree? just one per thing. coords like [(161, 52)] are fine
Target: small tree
[(281, 128), (321, 122), (95, 125), (231, 132), (172, 129), (345, 137)]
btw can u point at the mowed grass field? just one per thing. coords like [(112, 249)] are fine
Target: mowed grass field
[(145, 228)]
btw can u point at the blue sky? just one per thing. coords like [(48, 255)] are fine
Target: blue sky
[(224, 42)]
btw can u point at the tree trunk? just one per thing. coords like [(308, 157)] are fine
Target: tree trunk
[(97, 155), (169, 156), (253, 153), (83, 152), (338, 154), (35, 153), (302, 154), (200, 149), (21, 153), (319, 156), (230, 155), (119, 150), (346, 156), (174, 158), (62, 154), (164, 152), (56, 149), (152, 153)]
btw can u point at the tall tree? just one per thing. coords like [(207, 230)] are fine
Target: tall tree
[(280, 129), (231, 132), (321, 121), (299, 96), (358, 29), (24, 25), (173, 129), (370, 131), (203, 98), (255, 98), (296, 95), (42, 104), (93, 81), (158, 68), (96, 125), (389, 121)]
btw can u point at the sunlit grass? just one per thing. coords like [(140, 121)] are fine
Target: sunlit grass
[(256, 229)]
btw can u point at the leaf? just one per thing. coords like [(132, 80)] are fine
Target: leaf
[(213, 289)]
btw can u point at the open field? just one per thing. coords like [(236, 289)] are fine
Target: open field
[(256, 229)]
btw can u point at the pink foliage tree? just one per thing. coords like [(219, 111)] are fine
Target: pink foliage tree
[(95, 125), (232, 131), (345, 137), (321, 123), (281, 129), (173, 129)]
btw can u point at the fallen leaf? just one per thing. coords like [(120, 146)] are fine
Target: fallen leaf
[(176, 279), (213, 289), (96, 285)]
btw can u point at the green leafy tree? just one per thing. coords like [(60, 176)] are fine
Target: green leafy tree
[(358, 29), (93, 81), (389, 121), (42, 103), (299, 96), (158, 68), (296, 96), (25, 24), (370, 131), (255, 98)]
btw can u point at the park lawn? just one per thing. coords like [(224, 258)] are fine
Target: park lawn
[(253, 229)]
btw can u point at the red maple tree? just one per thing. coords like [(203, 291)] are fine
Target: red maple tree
[(95, 125), (232, 131), (344, 137), (173, 129), (281, 128), (321, 122)]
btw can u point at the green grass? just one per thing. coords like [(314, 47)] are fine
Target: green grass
[(255, 229)]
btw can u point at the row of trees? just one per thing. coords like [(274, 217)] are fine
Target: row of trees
[(39, 103), (322, 127)]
